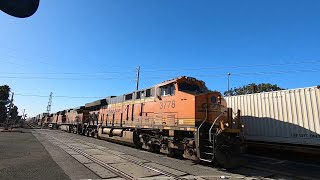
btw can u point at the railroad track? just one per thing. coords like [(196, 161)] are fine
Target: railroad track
[(273, 173), (109, 167), (274, 161)]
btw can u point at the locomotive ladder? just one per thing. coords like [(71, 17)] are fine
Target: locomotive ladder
[(206, 143)]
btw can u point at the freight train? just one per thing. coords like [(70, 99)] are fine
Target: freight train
[(178, 116), (286, 119)]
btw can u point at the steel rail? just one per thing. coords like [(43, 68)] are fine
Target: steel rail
[(108, 150), (96, 160)]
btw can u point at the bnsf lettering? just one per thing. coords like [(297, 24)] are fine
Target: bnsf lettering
[(167, 104), (210, 106)]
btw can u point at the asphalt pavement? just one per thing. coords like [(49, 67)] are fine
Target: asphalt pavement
[(22, 156)]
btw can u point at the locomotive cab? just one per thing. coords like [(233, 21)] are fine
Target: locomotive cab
[(217, 134)]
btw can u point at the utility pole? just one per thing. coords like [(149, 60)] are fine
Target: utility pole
[(137, 88), (49, 103), (229, 83), (9, 111), (138, 77)]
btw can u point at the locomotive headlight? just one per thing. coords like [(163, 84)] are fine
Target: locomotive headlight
[(219, 99), (226, 124)]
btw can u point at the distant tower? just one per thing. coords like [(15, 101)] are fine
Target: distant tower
[(49, 103)]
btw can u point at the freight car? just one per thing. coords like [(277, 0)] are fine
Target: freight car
[(287, 119), (178, 116)]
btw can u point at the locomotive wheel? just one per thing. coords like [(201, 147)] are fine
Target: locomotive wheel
[(171, 152), (223, 157), (151, 148)]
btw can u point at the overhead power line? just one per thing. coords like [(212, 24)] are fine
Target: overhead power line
[(68, 73), (46, 96), (278, 72), (64, 78), (246, 74), (84, 60), (71, 73), (236, 67), (168, 76)]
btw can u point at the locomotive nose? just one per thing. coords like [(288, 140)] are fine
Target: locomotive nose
[(209, 106)]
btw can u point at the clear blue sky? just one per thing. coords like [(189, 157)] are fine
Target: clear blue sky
[(91, 48)]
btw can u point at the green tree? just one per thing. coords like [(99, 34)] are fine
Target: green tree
[(252, 88), (14, 114), (4, 99)]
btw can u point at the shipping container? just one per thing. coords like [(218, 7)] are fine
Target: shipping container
[(287, 116)]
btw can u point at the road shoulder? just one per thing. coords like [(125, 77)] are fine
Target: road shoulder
[(23, 157)]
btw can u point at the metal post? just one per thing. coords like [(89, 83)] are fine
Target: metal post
[(138, 77), (229, 83)]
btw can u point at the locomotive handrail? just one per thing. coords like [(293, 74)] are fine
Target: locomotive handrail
[(198, 134), (204, 119), (213, 125)]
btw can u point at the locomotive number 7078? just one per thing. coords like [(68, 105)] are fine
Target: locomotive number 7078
[(167, 104)]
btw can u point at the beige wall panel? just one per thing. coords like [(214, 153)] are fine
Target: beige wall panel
[(288, 116)]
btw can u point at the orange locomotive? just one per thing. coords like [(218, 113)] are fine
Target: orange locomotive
[(177, 116), (80, 120)]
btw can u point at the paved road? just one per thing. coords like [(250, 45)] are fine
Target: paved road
[(23, 157)]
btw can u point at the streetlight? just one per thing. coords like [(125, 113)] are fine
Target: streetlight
[(229, 82)]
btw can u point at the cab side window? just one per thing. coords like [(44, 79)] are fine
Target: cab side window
[(167, 90)]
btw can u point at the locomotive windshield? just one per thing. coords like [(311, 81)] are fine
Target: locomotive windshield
[(188, 87)]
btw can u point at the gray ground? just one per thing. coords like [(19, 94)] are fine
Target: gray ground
[(51, 154), (73, 168), (23, 157)]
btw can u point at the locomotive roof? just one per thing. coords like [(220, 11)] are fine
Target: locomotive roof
[(177, 78), (78, 108), (100, 102)]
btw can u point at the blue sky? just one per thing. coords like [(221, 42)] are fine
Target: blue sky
[(91, 49)]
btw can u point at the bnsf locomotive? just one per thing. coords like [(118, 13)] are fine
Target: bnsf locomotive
[(179, 116)]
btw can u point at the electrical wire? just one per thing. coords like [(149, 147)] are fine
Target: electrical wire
[(83, 59), (65, 73), (46, 96), (63, 78), (158, 77), (236, 67)]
